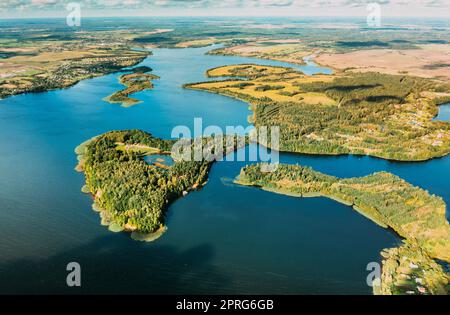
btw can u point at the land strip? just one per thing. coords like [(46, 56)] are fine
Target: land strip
[(387, 200)]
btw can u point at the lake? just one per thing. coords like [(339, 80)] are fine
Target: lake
[(222, 239), (444, 112)]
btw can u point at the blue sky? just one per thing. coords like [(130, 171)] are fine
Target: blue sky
[(44, 8)]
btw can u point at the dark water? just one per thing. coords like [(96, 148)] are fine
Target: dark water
[(223, 239)]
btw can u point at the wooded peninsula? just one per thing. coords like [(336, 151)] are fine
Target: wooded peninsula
[(134, 176), (131, 194), (382, 115), (389, 201)]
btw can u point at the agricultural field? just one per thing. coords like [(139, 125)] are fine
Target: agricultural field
[(49, 56), (292, 51), (427, 61), (375, 100), (59, 65), (388, 116), (36, 60)]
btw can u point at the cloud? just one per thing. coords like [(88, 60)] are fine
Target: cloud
[(211, 4)]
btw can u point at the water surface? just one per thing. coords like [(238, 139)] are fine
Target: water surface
[(444, 112), (222, 239)]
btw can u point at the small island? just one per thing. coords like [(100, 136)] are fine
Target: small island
[(414, 214), (137, 81), (130, 193), (134, 177), (381, 115)]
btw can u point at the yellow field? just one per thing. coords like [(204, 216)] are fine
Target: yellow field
[(287, 51), (196, 43), (25, 66), (137, 148), (247, 68), (280, 83), (428, 61), (51, 57)]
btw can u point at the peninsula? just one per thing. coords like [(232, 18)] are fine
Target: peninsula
[(131, 194), (382, 115), (49, 70), (387, 200), (134, 177)]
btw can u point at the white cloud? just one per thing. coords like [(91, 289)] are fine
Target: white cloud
[(239, 6)]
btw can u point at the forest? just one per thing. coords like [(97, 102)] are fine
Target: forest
[(414, 214), (387, 116), (131, 194), (136, 81)]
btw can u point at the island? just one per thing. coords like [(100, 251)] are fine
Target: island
[(136, 81), (131, 194), (414, 214), (133, 177), (382, 115)]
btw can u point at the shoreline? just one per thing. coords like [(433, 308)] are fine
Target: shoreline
[(311, 149), (149, 208), (288, 193), (409, 268), (67, 85)]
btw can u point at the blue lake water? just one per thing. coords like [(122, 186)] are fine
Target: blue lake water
[(222, 239), (444, 112)]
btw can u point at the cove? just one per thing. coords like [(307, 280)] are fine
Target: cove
[(222, 239), (444, 112)]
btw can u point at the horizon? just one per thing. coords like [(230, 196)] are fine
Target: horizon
[(61, 17), (13, 9)]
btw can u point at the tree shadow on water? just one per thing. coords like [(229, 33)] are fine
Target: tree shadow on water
[(115, 264)]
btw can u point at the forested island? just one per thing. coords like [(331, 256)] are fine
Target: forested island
[(131, 194), (134, 176), (389, 201), (136, 81), (382, 115)]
